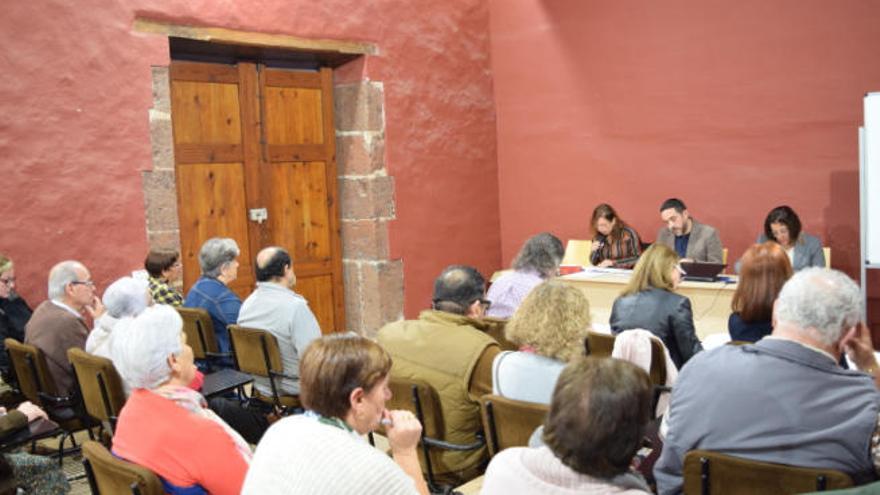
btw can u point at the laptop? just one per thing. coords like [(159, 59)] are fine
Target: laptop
[(702, 272)]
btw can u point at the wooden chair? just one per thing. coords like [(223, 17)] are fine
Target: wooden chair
[(827, 252), (421, 398), (110, 475), (38, 386), (602, 344), (708, 472), (256, 352), (99, 384), (577, 252), (199, 329), (508, 422)]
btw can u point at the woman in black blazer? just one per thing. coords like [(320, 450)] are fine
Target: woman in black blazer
[(649, 302)]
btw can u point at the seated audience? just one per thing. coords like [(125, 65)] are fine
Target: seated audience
[(549, 327), (447, 348), (32, 473), (783, 226), (57, 324), (692, 240), (166, 426), (764, 269), (537, 260), (219, 264), (649, 302), (165, 269), (344, 383), (614, 242), (784, 399), (595, 426), (276, 308), (14, 313), (125, 297)]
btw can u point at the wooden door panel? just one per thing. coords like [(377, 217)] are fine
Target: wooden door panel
[(295, 116), (214, 196), (206, 113), (298, 212), (318, 291)]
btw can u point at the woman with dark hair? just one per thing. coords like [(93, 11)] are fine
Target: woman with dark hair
[(763, 271), (597, 419), (649, 302), (344, 386), (614, 242), (783, 226), (536, 261), (165, 269)]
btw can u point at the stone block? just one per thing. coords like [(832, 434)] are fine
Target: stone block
[(366, 198), (161, 140), (359, 107), (353, 296), (164, 240), (160, 198), (383, 294), (161, 89), (360, 154), (365, 239)]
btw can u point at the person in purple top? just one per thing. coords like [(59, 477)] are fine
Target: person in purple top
[(536, 261), (218, 260)]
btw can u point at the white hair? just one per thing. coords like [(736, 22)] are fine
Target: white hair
[(821, 300), (215, 253), (126, 297), (60, 275), (142, 345)]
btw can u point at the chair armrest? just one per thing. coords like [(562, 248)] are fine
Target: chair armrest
[(440, 444)]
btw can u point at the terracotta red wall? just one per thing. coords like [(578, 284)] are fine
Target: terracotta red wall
[(74, 138), (734, 107)]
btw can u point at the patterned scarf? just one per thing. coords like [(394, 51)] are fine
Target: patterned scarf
[(193, 402)]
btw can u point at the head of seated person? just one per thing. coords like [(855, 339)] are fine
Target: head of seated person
[(552, 321), (658, 268), (598, 415), (764, 269), (218, 259), (782, 225), (126, 297), (541, 254), (460, 290)]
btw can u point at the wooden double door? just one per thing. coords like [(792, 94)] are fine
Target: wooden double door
[(254, 151)]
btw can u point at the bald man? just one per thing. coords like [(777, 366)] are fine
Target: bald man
[(276, 308)]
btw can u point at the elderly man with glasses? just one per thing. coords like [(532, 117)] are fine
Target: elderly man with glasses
[(57, 324), (448, 348)]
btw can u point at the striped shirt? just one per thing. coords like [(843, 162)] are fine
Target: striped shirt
[(624, 250)]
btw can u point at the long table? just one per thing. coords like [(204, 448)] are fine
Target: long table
[(710, 301)]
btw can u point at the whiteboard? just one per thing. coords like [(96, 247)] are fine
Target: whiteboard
[(871, 181)]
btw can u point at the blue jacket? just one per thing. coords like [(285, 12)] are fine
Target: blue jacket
[(220, 302)]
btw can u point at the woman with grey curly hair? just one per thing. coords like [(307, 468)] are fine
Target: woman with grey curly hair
[(537, 260), (549, 327)]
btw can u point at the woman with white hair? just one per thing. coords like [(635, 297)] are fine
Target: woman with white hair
[(166, 426), (125, 297), (218, 260)]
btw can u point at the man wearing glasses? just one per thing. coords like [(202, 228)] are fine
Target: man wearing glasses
[(57, 324), (448, 348)]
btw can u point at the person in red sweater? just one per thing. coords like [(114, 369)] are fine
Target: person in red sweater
[(166, 426)]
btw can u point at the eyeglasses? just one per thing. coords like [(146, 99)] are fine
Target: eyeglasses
[(87, 283), (8, 281), (485, 303)]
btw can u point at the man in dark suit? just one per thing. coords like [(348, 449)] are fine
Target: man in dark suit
[(693, 241), (57, 324)]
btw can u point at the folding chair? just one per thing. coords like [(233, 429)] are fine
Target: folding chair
[(508, 422), (256, 352), (99, 384), (199, 329), (38, 386), (708, 472), (110, 475)]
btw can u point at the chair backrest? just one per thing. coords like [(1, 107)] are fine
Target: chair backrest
[(31, 370), (420, 398), (99, 384), (827, 252), (199, 331), (256, 351), (602, 344), (508, 422), (577, 252), (109, 474), (710, 472), (724, 257)]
